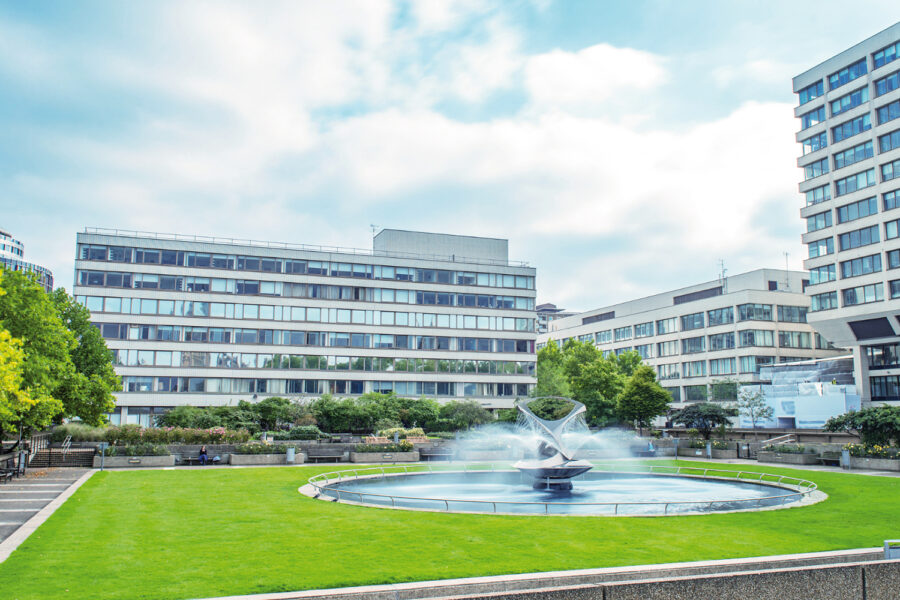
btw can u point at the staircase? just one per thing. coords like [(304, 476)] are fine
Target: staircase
[(60, 457)]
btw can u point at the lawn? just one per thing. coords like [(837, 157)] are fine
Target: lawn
[(198, 533)]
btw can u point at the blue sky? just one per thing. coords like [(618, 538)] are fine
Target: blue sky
[(623, 148)]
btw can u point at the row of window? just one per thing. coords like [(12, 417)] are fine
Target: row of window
[(217, 385), (851, 212), (278, 337), (863, 294), (884, 356), (884, 388), (297, 290), (849, 73), (175, 258), (716, 368), (229, 360), (147, 306)]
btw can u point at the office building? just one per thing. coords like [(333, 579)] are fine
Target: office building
[(210, 321), (12, 257), (721, 331), (849, 112), (546, 313)]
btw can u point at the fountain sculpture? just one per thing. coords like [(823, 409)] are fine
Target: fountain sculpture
[(555, 465)]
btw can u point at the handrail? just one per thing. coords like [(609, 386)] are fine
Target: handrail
[(781, 439), (294, 246), (66, 445), (808, 487)]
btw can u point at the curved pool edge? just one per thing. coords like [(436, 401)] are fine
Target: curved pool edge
[(808, 498)]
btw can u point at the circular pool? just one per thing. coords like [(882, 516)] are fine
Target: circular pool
[(659, 491)]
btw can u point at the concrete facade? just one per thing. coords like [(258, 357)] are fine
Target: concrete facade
[(12, 257), (207, 321), (707, 332), (849, 111)]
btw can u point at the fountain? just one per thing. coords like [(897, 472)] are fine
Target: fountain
[(555, 465)]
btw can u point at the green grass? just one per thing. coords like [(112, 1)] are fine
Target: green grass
[(199, 533)]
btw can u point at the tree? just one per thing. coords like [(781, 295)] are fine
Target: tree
[(723, 390), (643, 398), (465, 414), (628, 361), (551, 378), (595, 380), (752, 404), (551, 409), (88, 394), (704, 417), (874, 425)]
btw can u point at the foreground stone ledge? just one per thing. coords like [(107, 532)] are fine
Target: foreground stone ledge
[(112, 462), (788, 458)]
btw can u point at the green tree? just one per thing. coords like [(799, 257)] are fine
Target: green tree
[(752, 404), (595, 380), (275, 411), (551, 376), (704, 417), (628, 361), (643, 398), (464, 414), (874, 425), (88, 394)]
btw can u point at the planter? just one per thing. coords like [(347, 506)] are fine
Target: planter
[(264, 459), (876, 464), (787, 458), (384, 457), (701, 453), (112, 462), (489, 454)]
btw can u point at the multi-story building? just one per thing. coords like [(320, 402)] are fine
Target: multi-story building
[(12, 257), (210, 321), (720, 331), (546, 313), (849, 111)]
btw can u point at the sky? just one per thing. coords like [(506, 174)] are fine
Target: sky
[(623, 148)]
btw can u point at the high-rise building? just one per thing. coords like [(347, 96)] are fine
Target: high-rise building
[(849, 111), (210, 321), (547, 313), (12, 257), (718, 332)]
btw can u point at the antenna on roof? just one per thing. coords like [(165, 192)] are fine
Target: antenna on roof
[(373, 227), (787, 275), (722, 279)]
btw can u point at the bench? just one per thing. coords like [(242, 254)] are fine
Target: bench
[(194, 459), (8, 474), (437, 453), (315, 454), (831, 459)]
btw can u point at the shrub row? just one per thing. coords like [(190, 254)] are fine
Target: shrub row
[(136, 450), (304, 432), (127, 435), (260, 448), (872, 451), (401, 432), (403, 446)]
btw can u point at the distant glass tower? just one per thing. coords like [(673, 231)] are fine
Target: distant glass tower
[(849, 111), (12, 252)]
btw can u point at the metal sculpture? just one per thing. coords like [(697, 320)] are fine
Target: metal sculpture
[(555, 465)]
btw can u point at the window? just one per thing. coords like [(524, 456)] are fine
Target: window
[(857, 210), (887, 84), (818, 221), (851, 100), (819, 194), (695, 393), (863, 294), (821, 247), (811, 92), (720, 316), (891, 229), (696, 368), (693, 345), (643, 330), (886, 55), (751, 364), (667, 348), (890, 170), (623, 333), (889, 141), (855, 182), (888, 112), (891, 200), (847, 74), (604, 337), (668, 371), (755, 337), (893, 259), (894, 288), (722, 366), (792, 314), (885, 388), (815, 169), (721, 341), (822, 274), (848, 129), (644, 350), (692, 321), (854, 155), (816, 142), (886, 356), (755, 312), (859, 238), (794, 339), (813, 117), (666, 326), (824, 301)]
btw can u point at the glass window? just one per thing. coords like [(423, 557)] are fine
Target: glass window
[(821, 247), (859, 238), (887, 84), (817, 195), (666, 326), (851, 100), (857, 210), (811, 92), (855, 182), (816, 142), (886, 55), (756, 337), (850, 128), (792, 314), (890, 170), (794, 339), (696, 368), (643, 330), (863, 294), (670, 371), (854, 155), (692, 321), (818, 221), (721, 341), (604, 337), (622, 333), (861, 266), (722, 366), (815, 169), (813, 117), (824, 301), (693, 345), (721, 316), (669, 348), (847, 74), (889, 141), (755, 312), (888, 112)]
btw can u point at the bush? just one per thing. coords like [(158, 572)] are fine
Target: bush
[(134, 434), (401, 432), (79, 432), (304, 432), (403, 446), (797, 449), (136, 450), (872, 451), (716, 444), (255, 448)]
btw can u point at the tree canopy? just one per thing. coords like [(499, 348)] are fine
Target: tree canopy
[(752, 404), (704, 417), (643, 398), (875, 425)]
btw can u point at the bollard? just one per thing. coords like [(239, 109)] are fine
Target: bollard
[(891, 549), (289, 455), (845, 459), (708, 449)]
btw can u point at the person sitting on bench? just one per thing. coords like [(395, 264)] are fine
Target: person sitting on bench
[(203, 457)]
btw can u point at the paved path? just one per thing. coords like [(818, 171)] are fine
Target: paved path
[(754, 463), (24, 497)]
